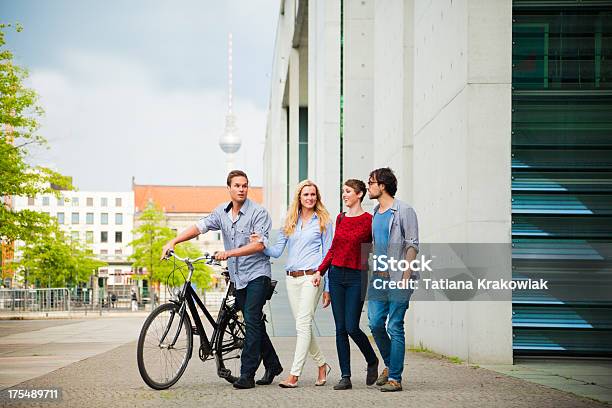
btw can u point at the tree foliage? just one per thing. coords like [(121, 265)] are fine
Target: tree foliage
[(56, 261), (19, 114), (150, 236)]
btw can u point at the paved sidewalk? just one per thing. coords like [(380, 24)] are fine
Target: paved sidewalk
[(588, 377), (33, 348), (112, 379)]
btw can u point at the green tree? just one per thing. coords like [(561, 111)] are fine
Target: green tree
[(149, 238), (19, 114), (53, 260)]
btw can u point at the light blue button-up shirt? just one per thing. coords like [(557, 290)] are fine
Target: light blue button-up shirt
[(306, 247), (252, 218)]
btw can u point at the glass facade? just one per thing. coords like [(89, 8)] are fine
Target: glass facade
[(561, 169)]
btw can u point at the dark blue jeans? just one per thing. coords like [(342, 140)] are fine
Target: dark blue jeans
[(347, 288), (257, 344)]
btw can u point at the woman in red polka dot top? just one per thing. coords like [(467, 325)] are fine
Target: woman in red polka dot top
[(348, 277)]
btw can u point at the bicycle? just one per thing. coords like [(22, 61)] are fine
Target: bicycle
[(165, 344)]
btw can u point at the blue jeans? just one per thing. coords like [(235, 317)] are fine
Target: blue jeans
[(389, 338), (257, 344), (347, 288)]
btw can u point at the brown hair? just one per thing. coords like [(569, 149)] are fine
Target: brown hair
[(235, 173), (357, 185)]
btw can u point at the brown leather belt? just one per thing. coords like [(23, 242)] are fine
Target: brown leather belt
[(296, 274)]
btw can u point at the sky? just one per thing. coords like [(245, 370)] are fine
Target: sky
[(139, 87)]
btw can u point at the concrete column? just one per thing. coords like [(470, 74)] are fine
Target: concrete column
[(324, 99), (294, 118), (392, 130), (358, 89)]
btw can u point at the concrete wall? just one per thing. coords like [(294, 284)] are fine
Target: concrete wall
[(427, 88), (462, 112)]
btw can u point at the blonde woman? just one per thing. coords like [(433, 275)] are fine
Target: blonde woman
[(307, 235)]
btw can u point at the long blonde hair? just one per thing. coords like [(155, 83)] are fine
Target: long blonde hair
[(296, 206)]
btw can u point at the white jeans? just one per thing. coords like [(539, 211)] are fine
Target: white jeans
[(304, 298)]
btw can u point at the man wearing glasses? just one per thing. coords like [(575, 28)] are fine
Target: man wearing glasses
[(395, 234)]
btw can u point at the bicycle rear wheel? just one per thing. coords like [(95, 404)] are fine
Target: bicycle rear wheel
[(230, 342), (160, 363)]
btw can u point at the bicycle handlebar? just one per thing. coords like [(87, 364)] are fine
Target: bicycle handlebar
[(206, 257)]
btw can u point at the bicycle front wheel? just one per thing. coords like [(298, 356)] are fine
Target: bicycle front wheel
[(161, 360)]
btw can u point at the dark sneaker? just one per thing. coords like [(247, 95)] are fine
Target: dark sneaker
[(372, 375), (244, 383), (344, 384), (269, 375), (391, 386), (383, 377)]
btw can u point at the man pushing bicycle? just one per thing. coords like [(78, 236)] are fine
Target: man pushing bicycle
[(249, 270)]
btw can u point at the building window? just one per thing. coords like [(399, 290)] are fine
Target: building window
[(75, 218), (45, 201), (75, 201), (60, 201), (60, 218), (118, 202), (104, 252), (104, 236), (119, 219), (89, 218), (118, 251), (31, 200), (90, 201), (104, 218), (118, 236), (74, 235), (218, 236), (89, 237), (104, 201)]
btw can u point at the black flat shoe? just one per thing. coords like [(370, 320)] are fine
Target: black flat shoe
[(244, 383), (372, 373), (344, 384), (268, 376)]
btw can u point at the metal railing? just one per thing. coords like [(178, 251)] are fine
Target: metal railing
[(34, 300)]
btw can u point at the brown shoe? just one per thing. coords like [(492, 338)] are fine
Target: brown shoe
[(383, 377), (391, 386)]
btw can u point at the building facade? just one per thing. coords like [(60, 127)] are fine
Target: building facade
[(102, 220), (493, 116)]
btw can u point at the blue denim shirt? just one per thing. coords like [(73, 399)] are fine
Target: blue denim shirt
[(252, 218), (306, 247), (403, 234)]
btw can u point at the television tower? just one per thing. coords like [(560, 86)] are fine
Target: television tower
[(230, 141)]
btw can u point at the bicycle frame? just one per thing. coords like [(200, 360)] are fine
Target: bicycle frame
[(190, 298)]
